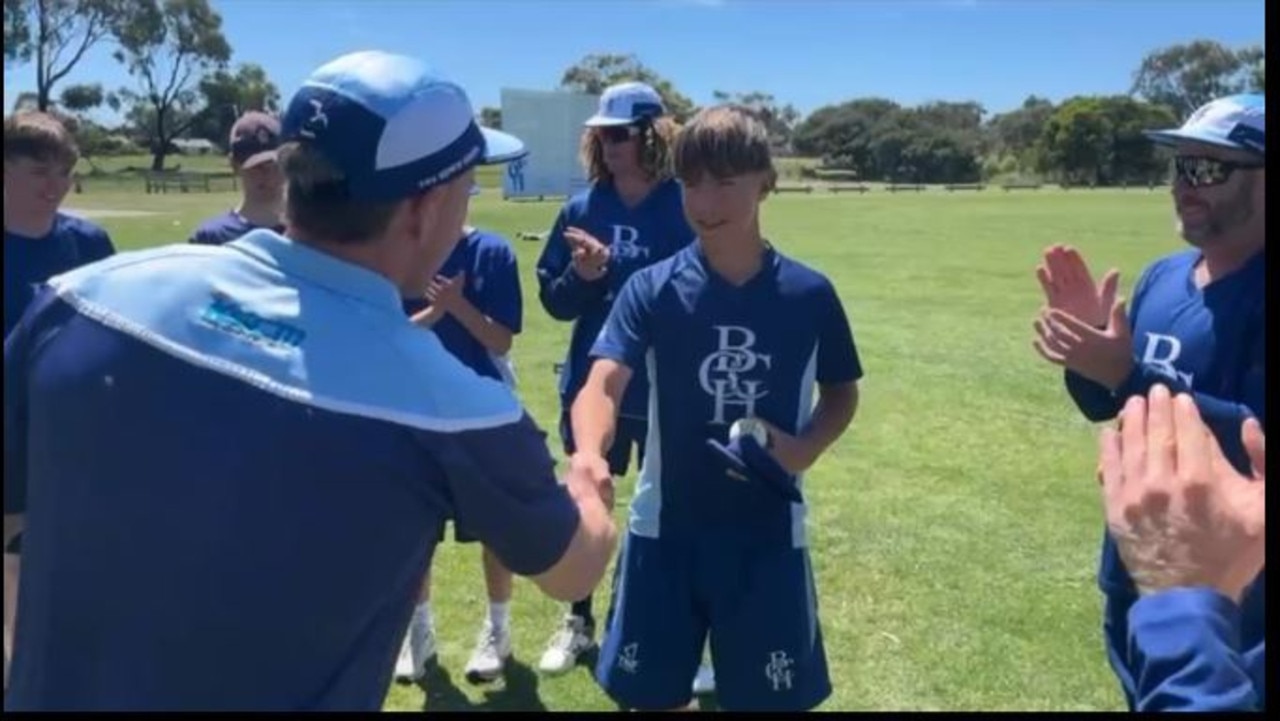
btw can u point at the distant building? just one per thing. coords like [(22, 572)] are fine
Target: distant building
[(195, 146)]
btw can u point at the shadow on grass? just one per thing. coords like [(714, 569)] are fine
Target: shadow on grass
[(517, 690)]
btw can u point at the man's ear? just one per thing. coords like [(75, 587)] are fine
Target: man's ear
[(768, 184), (423, 210)]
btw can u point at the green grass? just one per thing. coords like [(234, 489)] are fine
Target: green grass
[(954, 528)]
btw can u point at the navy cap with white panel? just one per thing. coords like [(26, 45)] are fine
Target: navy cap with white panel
[(392, 125), (234, 461), (1236, 122), (626, 104)]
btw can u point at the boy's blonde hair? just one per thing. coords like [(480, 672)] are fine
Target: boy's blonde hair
[(39, 136), (724, 141), (656, 138)]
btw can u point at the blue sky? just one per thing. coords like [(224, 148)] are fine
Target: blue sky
[(807, 52)]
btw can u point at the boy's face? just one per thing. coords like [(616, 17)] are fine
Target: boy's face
[(723, 207), (36, 186), (620, 145)]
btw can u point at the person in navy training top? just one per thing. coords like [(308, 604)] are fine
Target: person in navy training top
[(255, 139), (250, 462), (1191, 531), (475, 307), (1197, 325), (727, 329), (39, 242), (630, 217)]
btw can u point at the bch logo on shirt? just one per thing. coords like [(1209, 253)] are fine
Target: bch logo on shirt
[(626, 243), (1162, 352), (723, 374)]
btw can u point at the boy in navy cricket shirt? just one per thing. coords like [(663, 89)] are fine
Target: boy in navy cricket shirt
[(727, 329)]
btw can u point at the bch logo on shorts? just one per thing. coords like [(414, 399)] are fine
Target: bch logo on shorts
[(778, 670), (628, 660)]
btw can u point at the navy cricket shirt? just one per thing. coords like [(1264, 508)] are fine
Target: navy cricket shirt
[(234, 462)]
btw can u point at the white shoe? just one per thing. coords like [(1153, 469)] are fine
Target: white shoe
[(569, 642), (493, 648), (704, 682), (418, 649)]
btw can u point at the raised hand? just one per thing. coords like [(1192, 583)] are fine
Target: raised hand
[(590, 256), (1180, 514), (1103, 353), (1069, 286), (446, 293)]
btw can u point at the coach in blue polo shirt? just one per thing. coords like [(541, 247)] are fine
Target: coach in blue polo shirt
[(246, 452)]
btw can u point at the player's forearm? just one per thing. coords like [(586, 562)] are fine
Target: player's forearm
[(565, 295), (13, 525), (831, 417), (583, 564), (428, 317), (594, 417), (495, 337), (12, 568)]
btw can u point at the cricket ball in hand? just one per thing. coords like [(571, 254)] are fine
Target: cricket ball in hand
[(750, 427)]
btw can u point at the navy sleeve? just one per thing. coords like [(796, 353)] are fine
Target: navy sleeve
[(838, 360), (19, 348), (564, 295), (504, 491), (626, 334), (98, 246), (16, 345), (1223, 417), (501, 293), (1184, 646)]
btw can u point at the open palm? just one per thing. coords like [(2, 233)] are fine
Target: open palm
[(1069, 286)]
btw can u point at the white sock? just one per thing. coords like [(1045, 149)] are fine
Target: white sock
[(499, 614), (423, 611)]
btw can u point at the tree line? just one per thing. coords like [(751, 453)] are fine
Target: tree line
[(184, 85)]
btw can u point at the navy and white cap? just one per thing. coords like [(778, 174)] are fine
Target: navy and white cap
[(1238, 122), (627, 103), (391, 125)]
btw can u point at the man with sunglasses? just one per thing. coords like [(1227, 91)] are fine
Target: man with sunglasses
[(255, 137), (1197, 325)]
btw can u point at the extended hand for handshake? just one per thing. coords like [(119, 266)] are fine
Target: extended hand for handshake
[(1180, 514)]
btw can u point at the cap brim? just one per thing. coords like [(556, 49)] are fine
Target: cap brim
[(259, 158), (500, 147), (1175, 136), (601, 121)]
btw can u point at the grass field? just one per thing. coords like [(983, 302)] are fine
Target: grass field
[(954, 528)]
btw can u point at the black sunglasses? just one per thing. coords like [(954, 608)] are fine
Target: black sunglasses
[(618, 133), (1201, 172)]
